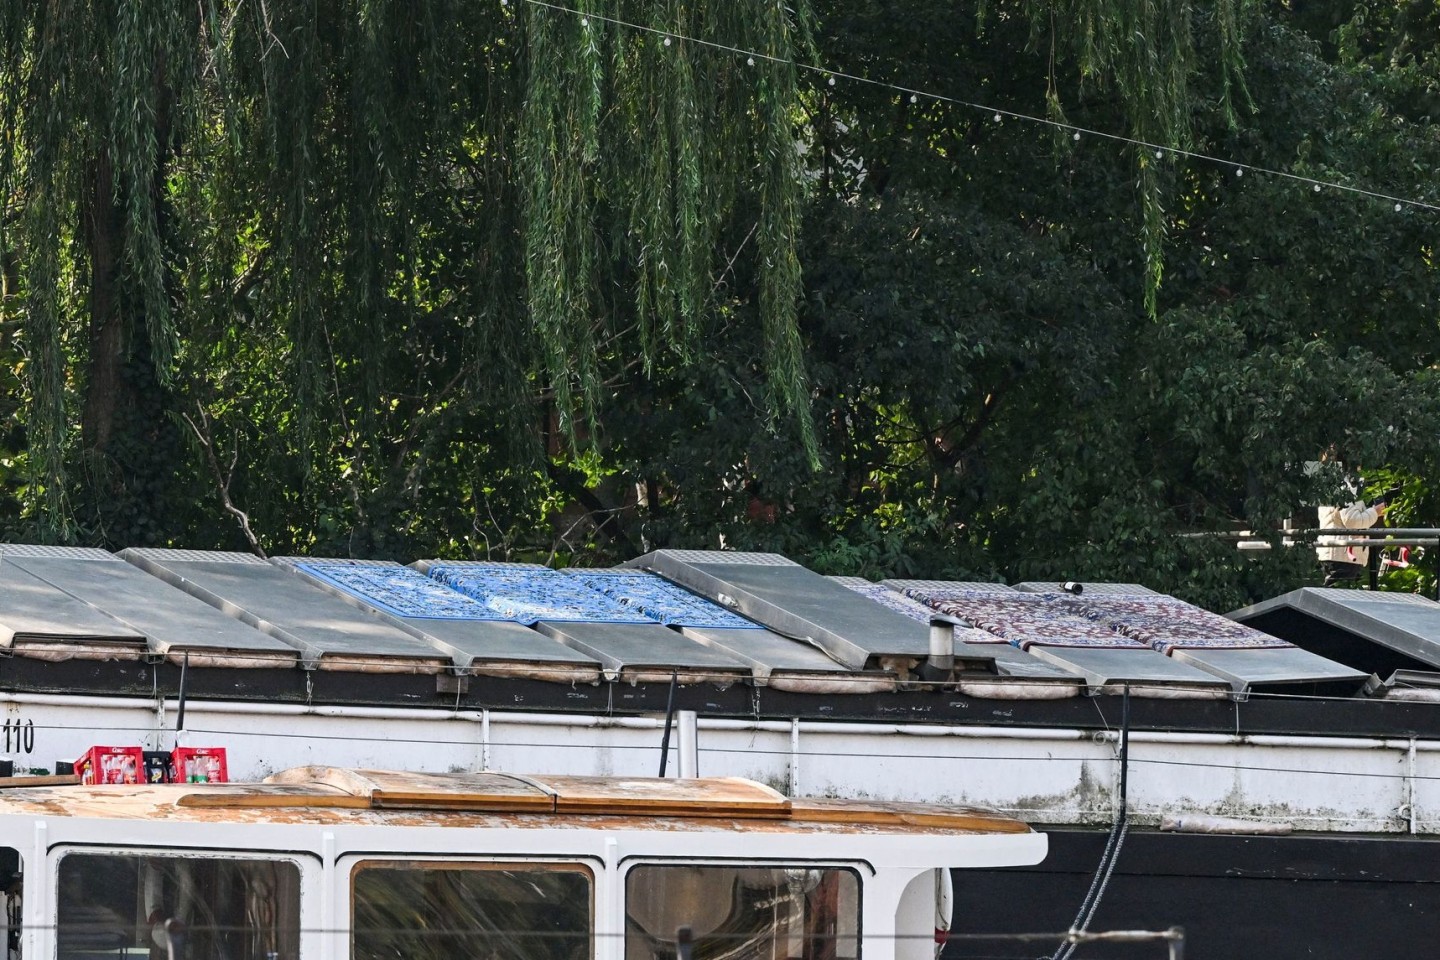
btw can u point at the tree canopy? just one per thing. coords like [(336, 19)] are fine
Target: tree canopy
[(571, 280)]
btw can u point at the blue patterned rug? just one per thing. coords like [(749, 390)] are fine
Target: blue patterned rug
[(530, 594), (398, 591), (661, 600)]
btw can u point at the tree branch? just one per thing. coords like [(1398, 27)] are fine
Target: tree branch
[(223, 478)]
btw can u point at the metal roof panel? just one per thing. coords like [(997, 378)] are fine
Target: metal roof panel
[(172, 621), (32, 610), (330, 633), (797, 602)]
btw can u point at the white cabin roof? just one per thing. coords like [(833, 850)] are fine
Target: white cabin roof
[(337, 795)]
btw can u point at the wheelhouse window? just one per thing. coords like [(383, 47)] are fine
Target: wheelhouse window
[(743, 913), (119, 905), (430, 910)]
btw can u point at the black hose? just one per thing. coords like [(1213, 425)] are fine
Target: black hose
[(1113, 844), (669, 720), (180, 710)]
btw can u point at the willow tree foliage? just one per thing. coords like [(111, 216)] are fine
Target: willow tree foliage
[(402, 211), (390, 278), (993, 396)]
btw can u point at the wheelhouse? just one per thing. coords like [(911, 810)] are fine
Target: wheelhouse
[(321, 863)]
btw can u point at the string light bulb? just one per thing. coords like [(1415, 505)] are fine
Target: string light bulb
[(1317, 188), (667, 41), (914, 99), (1397, 208), (997, 118), (749, 61), (1077, 135), (831, 81), (1159, 154), (1239, 171)]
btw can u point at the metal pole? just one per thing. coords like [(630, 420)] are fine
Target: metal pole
[(1177, 943), (1124, 747), (688, 725), (1410, 786), (175, 939), (1377, 531)]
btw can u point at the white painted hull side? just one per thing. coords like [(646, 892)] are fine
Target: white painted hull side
[(1041, 775)]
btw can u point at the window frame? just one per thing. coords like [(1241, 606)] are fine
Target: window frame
[(308, 866), (348, 866), (859, 869)]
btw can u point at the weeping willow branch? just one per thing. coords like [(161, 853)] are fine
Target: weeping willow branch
[(511, 199), (1145, 49)]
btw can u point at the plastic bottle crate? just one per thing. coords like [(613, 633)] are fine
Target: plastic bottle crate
[(111, 765), (199, 765)]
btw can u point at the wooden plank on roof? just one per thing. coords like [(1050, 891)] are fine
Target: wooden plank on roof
[(497, 792), (646, 796), (881, 813), (50, 780), (272, 795), (506, 792)]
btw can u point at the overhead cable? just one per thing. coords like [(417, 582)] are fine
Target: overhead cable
[(831, 75)]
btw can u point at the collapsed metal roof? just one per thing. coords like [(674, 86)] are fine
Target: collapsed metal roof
[(1368, 630), (1249, 659), (329, 633), (628, 643), (1057, 634), (474, 637), (711, 618), (1009, 661)]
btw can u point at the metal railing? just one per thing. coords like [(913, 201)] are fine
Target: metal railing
[(1374, 538)]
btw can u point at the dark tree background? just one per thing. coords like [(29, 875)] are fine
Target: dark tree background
[(403, 278)]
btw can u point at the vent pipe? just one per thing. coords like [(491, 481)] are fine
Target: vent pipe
[(941, 662)]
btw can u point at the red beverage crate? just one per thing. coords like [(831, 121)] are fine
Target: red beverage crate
[(111, 765), (198, 765)]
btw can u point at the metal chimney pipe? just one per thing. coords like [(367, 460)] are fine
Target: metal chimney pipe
[(941, 662), (687, 723), (942, 644)]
